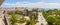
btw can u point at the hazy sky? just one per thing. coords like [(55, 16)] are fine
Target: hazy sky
[(32, 3)]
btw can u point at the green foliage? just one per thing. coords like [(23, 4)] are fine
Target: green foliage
[(52, 16), (41, 24), (11, 12), (32, 22), (22, 20), (50, 19), (36, 15), (17, 12), (13, 20)]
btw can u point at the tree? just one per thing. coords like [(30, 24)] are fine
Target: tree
[(45, 14), (32, 22), (57, 22), (10, 12), (50, 20), (36, 14), (22, 20), (17, 12), (26, 12), (13, 20), (41, 24)]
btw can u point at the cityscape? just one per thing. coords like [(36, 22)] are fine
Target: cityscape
[(29, 13)]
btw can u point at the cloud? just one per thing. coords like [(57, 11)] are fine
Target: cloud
[(51, 5), (36, 4), (22, 4)]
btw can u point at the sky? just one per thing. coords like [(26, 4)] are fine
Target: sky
[(32, 3)]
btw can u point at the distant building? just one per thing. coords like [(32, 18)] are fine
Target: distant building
[(31, 12)]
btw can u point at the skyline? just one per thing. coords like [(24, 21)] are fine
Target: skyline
[(32, 3)]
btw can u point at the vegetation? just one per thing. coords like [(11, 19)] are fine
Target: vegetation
[(33, 18), (26, 11), (22, 20), (31, 21), (52, 16), (14, 20), (36, 15), (17, 12)]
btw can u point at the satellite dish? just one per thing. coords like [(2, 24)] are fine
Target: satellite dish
[(1, 1)]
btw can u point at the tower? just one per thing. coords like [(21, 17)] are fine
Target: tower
[(41, 19)]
